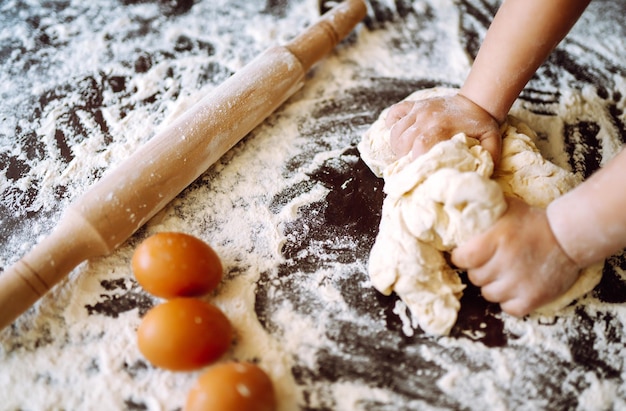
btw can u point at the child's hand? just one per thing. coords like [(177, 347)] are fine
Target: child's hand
[(416, 126), (518, 262)]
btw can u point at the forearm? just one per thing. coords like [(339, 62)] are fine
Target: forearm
[(522, 35), (589, 222)]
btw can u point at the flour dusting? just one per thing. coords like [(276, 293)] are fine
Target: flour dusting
[(291, 210)]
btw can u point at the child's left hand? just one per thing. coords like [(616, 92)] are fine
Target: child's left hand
[(416, 126), (518, 261)]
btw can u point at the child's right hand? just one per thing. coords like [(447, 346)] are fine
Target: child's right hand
[(518, 262), (416, 126)]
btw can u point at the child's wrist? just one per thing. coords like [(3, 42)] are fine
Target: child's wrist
[(477, 107), (565, 221)]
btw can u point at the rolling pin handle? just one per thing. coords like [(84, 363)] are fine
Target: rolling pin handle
[(72, 242), (319, 39)]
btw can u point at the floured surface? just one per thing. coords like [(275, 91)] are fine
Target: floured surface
[(292, 209)]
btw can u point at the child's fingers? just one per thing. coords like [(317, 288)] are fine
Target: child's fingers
[(492, 142), (422, 143), (517, 307), (400, 141), (396, 112), (474, 253), (492, 290)]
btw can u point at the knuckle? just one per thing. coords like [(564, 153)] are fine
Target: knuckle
[(476, 278), (489, 295)]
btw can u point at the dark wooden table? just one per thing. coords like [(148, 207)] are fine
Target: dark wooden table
[(291, 209)]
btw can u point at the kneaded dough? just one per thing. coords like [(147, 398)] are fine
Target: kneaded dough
[(442, 199)]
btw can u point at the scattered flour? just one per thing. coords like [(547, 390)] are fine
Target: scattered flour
[(60, 343)]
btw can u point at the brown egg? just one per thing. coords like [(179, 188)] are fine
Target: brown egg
[(232, 386), (184, 334), (171, 264)]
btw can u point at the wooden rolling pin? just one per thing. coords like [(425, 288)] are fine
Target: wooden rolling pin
[(128, 196)]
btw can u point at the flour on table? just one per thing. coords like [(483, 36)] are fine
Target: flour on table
[(441, 200)]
